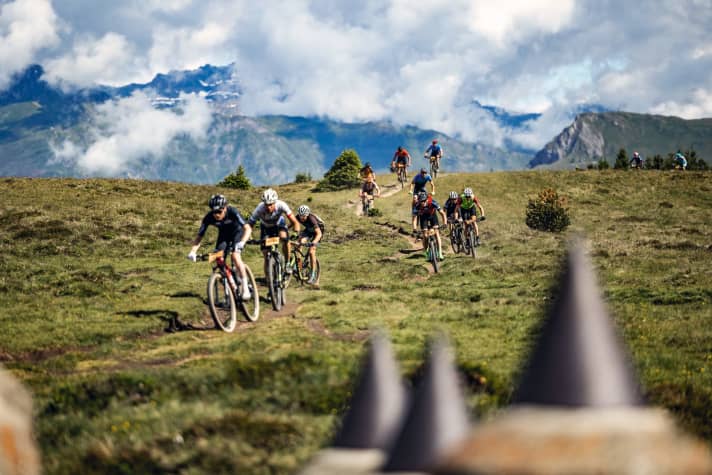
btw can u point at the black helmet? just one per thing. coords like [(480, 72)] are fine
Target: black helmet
[(367, 165), (217, 202), (400, 149), (422, 196)]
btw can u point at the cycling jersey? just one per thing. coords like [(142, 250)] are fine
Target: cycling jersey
[(468, 203), (310, 225), (427, 213), (451, 206), (267, 218), (419, 182), (366, 173), (229, 229), (401, 157), (434, 150)]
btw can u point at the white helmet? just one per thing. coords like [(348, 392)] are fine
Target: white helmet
[(269, 196), (453, 195), (303, 210), (468, 192)]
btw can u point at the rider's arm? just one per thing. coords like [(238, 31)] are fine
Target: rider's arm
[(246, 234), (432, 187), (317, 235), (376, 189), (482, 210), (443, 215), (295, 224)]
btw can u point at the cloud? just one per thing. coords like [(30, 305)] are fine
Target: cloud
[(26, 27), (419, 63), (130, 129)]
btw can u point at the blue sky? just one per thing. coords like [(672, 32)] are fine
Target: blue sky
[(418, 62)]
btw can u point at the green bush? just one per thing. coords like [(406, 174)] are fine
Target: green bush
[(548, 212), (374, 212), (237, 180), (303, 178), (603, 164), (343, 173)]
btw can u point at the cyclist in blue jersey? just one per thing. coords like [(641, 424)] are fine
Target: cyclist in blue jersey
[(425, 213), (233, 233), (419, 182), (434, 151)]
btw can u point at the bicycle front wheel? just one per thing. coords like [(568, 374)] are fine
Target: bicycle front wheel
[(433, 251), (471, 242), (251, 307), (307, 270), (221, 302), (273, 281), (456, 240)]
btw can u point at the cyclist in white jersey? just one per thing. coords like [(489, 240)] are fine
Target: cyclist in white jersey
[(271, 213)]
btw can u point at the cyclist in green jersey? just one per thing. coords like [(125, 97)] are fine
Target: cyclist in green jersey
[(467, 210)]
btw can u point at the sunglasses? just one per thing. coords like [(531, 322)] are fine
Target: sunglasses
[(218, 211)]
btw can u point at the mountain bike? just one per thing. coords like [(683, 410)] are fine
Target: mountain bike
[(301, 264), (222, 301), (402, 174), (277, 278), (434, 167), (457, 236), (470, 241), (431, 247), (366, 203)]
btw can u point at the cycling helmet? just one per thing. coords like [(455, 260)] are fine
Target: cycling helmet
[(303, 210), (422, 196), (636, 155), (217, 202), (400, 149), (368, 165), (423, 170), (435, 141), (269, 196), (468, 192), (453, 195)]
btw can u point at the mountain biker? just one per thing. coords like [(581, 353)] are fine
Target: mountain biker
[(425, 213), (636, 161), (311, 232), (451, 208), (233, 233), (434, 151), (271, 213), (369, 187), (366, 172), (468, 211), (401, 157), (418, 183), (680, 161)]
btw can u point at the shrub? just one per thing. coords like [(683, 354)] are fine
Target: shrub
[(343, 173), (303, 178), (548, 212), (655, 163), (621, 160), (603, 164), (374, 212), (237, 180)]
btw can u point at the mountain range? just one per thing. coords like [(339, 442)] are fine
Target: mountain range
[(36, 117)]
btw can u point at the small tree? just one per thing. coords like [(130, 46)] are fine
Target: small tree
[(655, 163), (548, 212), (603, 164), (621, 160), (694, 162), (343, 173), (237, 180)]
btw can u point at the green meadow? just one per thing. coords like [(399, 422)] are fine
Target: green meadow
[(94, 274)]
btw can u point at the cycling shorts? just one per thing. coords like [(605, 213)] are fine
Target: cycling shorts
[(467, 214), (428, 221)]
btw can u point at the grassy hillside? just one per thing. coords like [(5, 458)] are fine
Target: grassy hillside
[(93, 271)]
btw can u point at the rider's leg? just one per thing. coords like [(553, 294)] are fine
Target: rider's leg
[(439, 241), (284, 236), (237, 260)]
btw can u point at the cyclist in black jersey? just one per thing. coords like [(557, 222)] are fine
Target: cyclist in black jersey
[(232, 236), (312, 231)]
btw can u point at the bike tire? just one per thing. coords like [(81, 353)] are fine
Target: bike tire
[(221, 302), (308, 270), (275, 289), (471, 242), (251, 307), (282, 281), (456, 240), (433, 170), (365, 208), (433, 248)]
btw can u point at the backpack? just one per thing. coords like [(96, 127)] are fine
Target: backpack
[(322, 225)]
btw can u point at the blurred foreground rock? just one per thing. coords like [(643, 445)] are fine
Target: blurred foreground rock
[(18, 451)]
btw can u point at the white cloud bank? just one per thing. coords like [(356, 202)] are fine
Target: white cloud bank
[(420, 63), (129, 129)]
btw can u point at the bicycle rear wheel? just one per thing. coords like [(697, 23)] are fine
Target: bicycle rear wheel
[(251, 307), (221, 302), (273, 281)]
